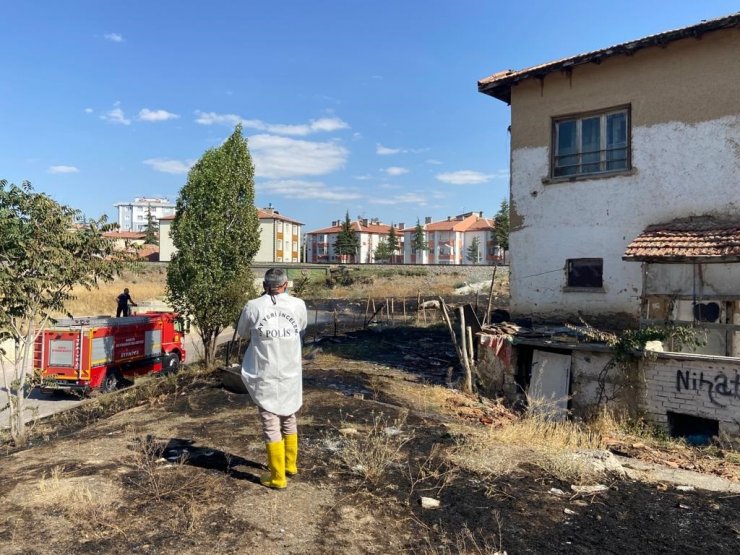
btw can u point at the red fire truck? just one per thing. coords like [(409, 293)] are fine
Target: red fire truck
[(99, 353)]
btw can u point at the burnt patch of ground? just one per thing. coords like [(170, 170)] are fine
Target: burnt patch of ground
[(179, 474)]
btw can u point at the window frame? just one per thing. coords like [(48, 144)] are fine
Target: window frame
[(568, 265), (578, 118)]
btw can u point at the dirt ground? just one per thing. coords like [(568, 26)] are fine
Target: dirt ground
[(379, 431)]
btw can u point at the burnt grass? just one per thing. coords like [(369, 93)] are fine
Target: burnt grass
[(209, 499)]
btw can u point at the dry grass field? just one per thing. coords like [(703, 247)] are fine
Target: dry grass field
[(148, 284)]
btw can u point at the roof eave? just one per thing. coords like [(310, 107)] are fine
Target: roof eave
[(684, 259)]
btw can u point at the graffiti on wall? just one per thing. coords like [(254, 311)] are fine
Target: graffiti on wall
[(717, 389)]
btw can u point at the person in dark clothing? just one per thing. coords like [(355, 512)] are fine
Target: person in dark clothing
[(125, 302)]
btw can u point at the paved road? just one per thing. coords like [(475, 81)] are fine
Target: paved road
[(40, 404)]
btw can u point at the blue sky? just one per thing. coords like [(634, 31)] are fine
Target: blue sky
[(366, 106)]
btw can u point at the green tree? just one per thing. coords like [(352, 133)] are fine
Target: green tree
[(383, 251), (473, 254), (347, 243), (393, 243), (502, 225), (43, 256), (152, 229), (418, 241), (216, 232)]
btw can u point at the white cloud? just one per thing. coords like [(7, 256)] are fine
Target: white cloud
[(385, 151), (63, 169), (396, 170), (212, 118), (309, 190), (388, 186), (277, 157), (88, 110), (156, 115), (405, 198), (113, 37), (364, 177), (167, 165), (464, 177), (321, 125), (433, 162), (116, 115)]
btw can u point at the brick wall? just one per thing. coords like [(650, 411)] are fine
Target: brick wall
[(704, 388)]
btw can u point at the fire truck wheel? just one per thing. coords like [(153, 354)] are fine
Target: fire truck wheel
[(172, 363), (111, 382)]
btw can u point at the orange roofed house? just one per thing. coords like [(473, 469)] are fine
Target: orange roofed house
[(449, 241), (369, 232)]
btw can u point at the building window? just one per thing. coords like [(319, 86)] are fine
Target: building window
[(585, 273), (591, 144)]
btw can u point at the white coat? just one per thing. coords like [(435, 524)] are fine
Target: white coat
[(271, 368)]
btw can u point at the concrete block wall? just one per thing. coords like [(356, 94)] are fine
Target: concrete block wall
[(703, 388)]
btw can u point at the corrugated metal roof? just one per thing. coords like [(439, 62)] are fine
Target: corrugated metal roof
[(698, 239), (499, 84)]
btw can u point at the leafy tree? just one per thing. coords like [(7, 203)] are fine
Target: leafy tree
[(418, 242), (347, 243), (216, 232), (473, 254), (43, 256), (393, 243), (152, 229), (502, 225), (383, 251)]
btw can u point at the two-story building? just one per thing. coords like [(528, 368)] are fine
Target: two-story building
[(625, 212)]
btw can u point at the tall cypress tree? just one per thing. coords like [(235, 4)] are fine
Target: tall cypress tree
[(216, 232)]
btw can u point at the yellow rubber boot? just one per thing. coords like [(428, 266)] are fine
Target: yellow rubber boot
[(291, 454), (276, 463)]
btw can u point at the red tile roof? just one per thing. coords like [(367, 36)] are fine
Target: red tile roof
[(265, 214), (698, 239), (499, 84), (471, 223), (357, 226), (133, 235)]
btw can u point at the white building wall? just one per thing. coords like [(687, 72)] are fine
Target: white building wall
[(133, 216), (166, 246), (266, 252), (680, 170)]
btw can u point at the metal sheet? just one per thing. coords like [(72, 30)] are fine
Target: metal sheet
[(102, 350), (62, 353), (550, 384), (153, 342)]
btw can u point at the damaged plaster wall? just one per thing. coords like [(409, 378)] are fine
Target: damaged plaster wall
[(702, 280), (685, 161)]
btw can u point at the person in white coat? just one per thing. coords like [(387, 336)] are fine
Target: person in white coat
[(272, 370)]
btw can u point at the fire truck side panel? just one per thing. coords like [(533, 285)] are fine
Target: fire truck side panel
[(80, 357)]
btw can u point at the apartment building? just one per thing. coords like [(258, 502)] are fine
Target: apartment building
[(320, 244), (132, 216), (280, 237), (463, 239)]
